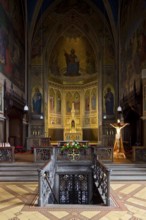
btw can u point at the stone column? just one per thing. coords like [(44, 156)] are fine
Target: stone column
[(144, 105)]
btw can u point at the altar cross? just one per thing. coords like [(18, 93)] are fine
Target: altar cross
[(74, 155)]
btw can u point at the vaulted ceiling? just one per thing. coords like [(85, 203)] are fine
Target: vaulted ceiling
[(52, 21), (115, 14)]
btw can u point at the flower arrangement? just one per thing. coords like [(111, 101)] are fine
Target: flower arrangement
[(73, 145)]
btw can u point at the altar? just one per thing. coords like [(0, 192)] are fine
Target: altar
[(73, 131), (72, 136)]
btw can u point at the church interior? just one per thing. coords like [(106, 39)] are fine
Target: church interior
[(73, 72)]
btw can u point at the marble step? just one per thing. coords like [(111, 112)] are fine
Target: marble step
[(27, 172), (19, 173), (18, 179), (125, 172), (128, 178)]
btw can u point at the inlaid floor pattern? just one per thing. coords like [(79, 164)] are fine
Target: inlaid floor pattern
[(17, 202)]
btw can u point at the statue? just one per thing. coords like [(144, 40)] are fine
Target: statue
[(118, 145), (109, 102), (37, 101)]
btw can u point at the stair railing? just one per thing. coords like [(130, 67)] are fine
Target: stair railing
[(101, 176), (46, 183), (51, 189)]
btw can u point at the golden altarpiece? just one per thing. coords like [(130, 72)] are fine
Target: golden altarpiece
[(72, 108), (73, 131)]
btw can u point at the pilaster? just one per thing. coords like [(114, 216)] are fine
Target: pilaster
[(144, 104)]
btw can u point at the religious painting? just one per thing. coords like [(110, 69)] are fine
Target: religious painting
[(68, 102), (58, 102), (93, 99), (77, 102), (72, 63), (144, 100), (87, 101), (36, 101), (133, 59), (11, 51), (15, 14), (52, 100), (72, 57), (1, 98), (108, 100), (3, 45)]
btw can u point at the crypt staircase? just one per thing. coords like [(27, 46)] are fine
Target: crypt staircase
[(19, 172)]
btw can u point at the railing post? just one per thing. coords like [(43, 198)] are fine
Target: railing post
[(40, 175), (108, 188), (34, 153)]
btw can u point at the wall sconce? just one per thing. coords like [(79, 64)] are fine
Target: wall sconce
[(120, 115), (119, 109), (41, 117), (26, 108), (26, 116), (104, 117)]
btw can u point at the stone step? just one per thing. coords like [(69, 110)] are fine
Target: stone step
[(127, 172), (18, 179), (127, 168), (128, 178), (125, 165), (20, 168), (20, 164), (26, 172), (19, 173)]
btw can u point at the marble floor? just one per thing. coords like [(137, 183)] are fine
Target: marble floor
[(18, 202)]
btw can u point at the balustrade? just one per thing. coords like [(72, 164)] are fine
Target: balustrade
[(78, 175), (139, 153), (104, 153), (42, 154), (46, 183), (7, 154), (101, 176)]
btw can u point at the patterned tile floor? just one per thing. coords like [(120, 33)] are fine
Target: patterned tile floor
[(17, 202)]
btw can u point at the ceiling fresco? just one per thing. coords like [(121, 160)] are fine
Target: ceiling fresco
[(114, 5), (112, 12), (68, 40), (91, 30)]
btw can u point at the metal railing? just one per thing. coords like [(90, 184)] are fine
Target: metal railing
[(46, 183), (104, 153), (101, 176), (42, 154), (74, 155), (7, 154), (139, 153)]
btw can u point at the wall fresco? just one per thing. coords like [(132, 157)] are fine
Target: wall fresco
[(11, 49), (133, 60), (72, 57)]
